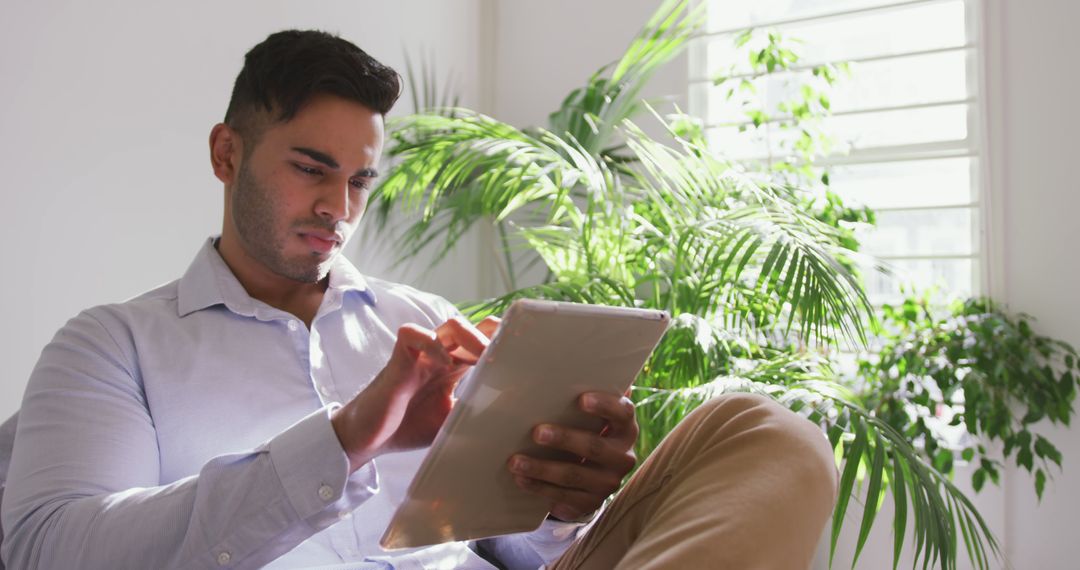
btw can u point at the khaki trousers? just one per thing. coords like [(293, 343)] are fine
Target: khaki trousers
[(742, 483)]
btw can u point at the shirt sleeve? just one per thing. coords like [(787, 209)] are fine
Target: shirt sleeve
[(532, 550), (84, 488)]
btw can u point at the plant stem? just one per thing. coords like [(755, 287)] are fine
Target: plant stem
[(508, 271)]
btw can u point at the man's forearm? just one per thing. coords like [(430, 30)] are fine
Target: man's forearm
[(241, 510), (84, 489)]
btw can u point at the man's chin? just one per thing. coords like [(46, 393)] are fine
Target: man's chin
[(311, 271)]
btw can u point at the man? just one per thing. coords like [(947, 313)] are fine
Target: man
[(200, 425)]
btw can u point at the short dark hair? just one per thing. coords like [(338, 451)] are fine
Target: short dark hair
[(288, 68)]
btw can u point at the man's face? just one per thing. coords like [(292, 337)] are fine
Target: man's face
[(299, 194)]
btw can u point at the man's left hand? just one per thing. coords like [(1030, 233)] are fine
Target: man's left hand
[(577, 489)]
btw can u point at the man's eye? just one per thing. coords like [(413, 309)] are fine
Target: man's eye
[(308, 170), (360, 183)]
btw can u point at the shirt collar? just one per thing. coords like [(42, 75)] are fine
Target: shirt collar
[(208, 281)]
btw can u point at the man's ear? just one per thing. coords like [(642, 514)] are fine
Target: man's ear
[(226, 150)]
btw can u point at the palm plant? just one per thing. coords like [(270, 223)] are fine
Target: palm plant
[(755, 284)]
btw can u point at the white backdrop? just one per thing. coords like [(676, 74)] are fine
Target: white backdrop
[(1035, 81)]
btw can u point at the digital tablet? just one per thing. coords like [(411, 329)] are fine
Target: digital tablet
[(543, 356)]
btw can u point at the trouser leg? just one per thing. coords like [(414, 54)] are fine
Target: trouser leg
[(741, 483)]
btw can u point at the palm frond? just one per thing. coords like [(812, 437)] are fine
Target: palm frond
[(590, 114), (596, 291), (427, 94), (677, 226), (875, 458), (722, 228), (457, 170)]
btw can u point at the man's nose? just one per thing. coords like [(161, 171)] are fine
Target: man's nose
[(333, 204)]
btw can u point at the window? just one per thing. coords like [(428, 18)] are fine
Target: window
[(906, 118)]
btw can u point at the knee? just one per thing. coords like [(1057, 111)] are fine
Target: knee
[(774, 435)]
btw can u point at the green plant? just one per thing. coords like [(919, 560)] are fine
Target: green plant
[(980, 369), (783, 107), (755, 279)]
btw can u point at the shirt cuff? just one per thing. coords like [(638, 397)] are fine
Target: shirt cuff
[(547, 543), (556, 531), (314, 471)]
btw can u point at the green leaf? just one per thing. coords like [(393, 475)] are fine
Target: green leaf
[(943, 461), (1045, 449), (1025, 459), (899, 488), (1066, 382), (1040, 483), (978, 479), (1033, 415), (873, 495), (847, 483), (744, 37)]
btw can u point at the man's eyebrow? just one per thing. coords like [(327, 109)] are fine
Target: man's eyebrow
[(329, 161), (317, 156)]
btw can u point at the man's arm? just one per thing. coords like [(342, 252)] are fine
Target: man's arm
[(408, 401), (84, 490)]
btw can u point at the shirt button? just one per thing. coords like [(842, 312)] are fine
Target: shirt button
[(344, 515), (224, 558), (326, 493), (293, 326)]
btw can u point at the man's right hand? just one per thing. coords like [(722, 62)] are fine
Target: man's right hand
[(406, 404)]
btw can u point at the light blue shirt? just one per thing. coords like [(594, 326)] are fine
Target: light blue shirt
[(189, 428)]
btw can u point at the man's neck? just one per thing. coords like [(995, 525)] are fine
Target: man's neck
[(295, 297)]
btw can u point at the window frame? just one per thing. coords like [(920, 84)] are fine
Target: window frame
[(986, 246)]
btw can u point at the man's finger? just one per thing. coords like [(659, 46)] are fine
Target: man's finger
[(489, 325), (414, 340), (462, 340), (611, 407), (566, 475), (610, 453), (566, 504), (618, 411)]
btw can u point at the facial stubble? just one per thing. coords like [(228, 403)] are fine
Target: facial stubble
[(256, 212)]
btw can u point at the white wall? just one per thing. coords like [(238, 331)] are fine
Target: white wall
[(1037, 85), (546, 49), (106, 109)]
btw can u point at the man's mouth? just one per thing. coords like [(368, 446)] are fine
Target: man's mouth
[(322, 242)]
